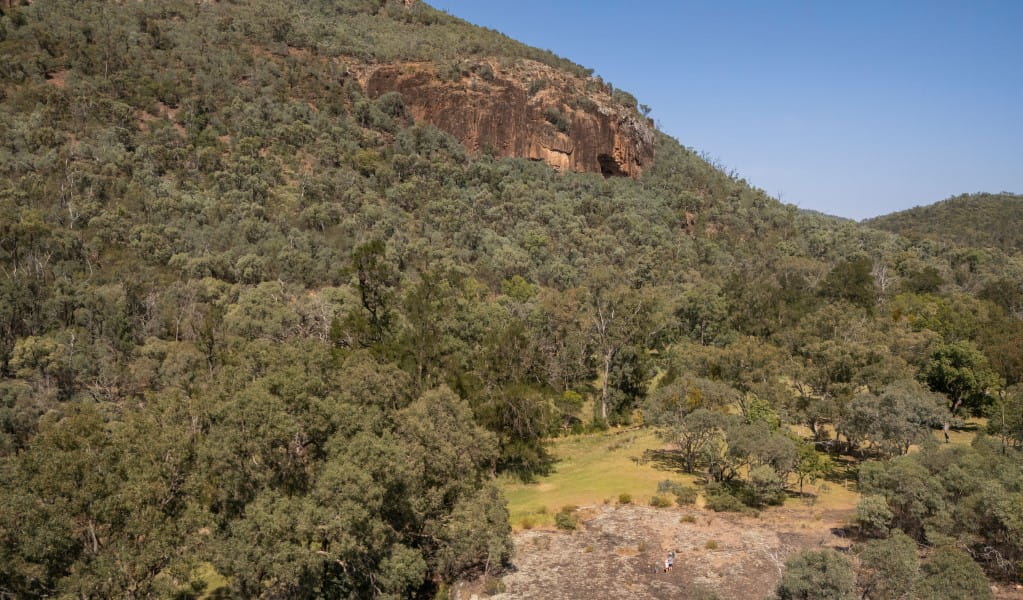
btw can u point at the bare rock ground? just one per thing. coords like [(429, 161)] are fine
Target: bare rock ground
[(619, 552)]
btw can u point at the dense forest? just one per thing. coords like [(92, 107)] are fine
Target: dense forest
[(257, 325), (980, 220)]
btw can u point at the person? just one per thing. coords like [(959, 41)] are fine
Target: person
[(671, 560)]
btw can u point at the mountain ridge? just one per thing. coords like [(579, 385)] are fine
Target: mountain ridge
[(979, 219)]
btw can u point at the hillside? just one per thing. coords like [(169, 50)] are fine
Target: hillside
[(273, 319), (977, 220)]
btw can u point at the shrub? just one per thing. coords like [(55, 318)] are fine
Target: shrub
[(684, 494), (766, 487), (660, 502), (725, 502), (485, 71), (720, 499), (566, 518), (624, 498), (873, 516), (711, 545), (391, 104), (687, 519), (817, 575), (565, 521), (951, 573), (557, 118), (584, 103), (536, 85), (888, 568)]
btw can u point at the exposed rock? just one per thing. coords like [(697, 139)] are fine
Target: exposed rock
[(527, 110), (619, 553)]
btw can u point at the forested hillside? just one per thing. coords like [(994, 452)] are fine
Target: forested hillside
[(979, 220), (258, 327)]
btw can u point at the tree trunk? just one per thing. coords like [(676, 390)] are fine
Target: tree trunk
[(603, 390), (956, 403)]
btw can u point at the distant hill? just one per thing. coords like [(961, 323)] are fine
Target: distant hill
[(987, 220)]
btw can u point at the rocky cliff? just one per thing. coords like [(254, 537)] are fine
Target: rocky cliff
[(524, 109)]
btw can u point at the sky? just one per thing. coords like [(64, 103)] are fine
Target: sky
[(854, 109)]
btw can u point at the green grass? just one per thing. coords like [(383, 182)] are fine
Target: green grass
[(597, 468), (590, 469)]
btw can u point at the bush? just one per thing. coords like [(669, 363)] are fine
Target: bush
[(485, 71), (766, 487), (566, 518), (721, 499), (873, 516), (711, 545), (888, 568), (824, 575), (557, 118), (725, 502), (684, 494), (391, 104), (951, 573), (624, 498), (660, 502)]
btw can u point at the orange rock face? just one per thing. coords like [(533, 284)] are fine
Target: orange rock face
[(526, 110)]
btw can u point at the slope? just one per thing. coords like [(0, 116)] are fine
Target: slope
[(978, 220), (257, 318)]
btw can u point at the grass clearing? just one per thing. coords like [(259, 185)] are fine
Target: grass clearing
[(590, 469), (598, 468), (601, 468)]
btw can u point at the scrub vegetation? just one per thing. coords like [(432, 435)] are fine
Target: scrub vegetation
[(262, 332)]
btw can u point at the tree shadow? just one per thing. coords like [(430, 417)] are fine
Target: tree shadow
[(663, 460), (845, 472)]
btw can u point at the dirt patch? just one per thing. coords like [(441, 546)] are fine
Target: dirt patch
[(57, 78), (620, 552)]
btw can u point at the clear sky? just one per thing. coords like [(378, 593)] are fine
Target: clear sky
[(853, 108)]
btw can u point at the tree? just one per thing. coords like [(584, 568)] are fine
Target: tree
[(703, 314), (817, 575), (376, 279), (851, 280), (1005, 416), (811, 464), (951, 574), (912, 493), (873, 516), (888, 568), (691, 433), (902, 415), (960, 371), (620, 317), (749, 365)]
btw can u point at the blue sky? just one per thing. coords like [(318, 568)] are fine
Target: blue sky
[(851, 108)]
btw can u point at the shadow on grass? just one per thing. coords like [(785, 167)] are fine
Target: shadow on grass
[(845, 468), (663, 460)]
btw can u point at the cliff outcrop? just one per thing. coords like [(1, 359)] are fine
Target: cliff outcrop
[(526, 109)]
